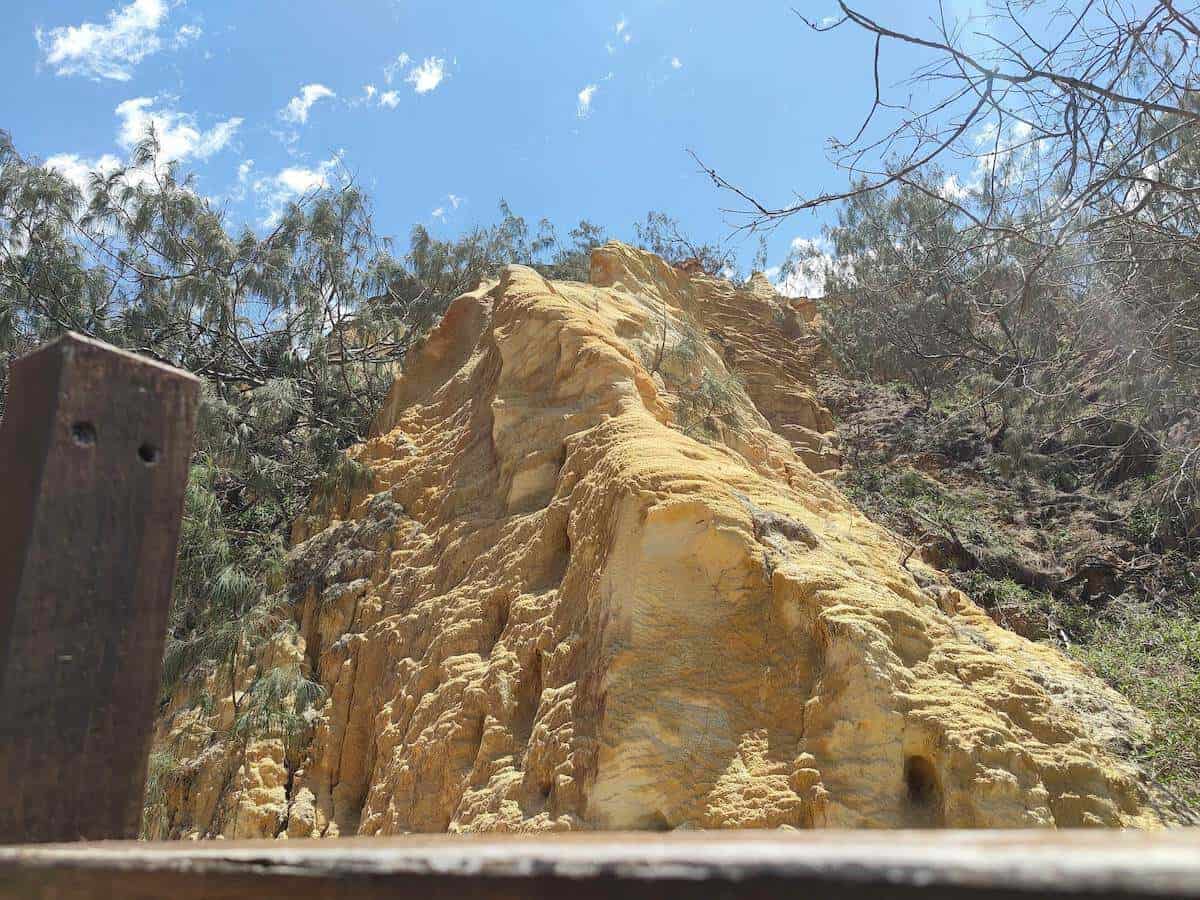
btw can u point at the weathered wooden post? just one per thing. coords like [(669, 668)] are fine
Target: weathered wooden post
[(94, 452)]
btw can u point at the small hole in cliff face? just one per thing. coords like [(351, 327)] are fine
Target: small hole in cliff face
[(84, 434), (529, 698), (501, 623), (924, 792), (149, 454), (657, 822), (921, 780)]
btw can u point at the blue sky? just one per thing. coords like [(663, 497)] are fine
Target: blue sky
[(566, 109)]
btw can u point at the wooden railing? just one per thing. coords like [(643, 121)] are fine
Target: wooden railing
[(94, 454)]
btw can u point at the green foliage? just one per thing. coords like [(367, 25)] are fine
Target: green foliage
[(998, 593), (276, 706), (903, 497), (916, 296), (680, 350), (707, 395), (1036, 342), (1154, 660), (570, 260), (1169, 506), (345, 477), (162, 773), (1034, 614), (713, 400), (662, 236)]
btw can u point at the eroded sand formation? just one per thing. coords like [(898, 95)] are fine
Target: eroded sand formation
[(599, 582)]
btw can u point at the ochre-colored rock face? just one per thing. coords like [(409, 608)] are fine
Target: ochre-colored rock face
[(597, 584)]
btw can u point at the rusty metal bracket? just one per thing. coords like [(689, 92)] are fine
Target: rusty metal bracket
[(94, 454)]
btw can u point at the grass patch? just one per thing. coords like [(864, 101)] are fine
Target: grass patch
[(906, 500), (1037, 615), (1153, 658)]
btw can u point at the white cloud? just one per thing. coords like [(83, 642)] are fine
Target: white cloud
[(297, 108), (1009, 155), (623, 36), (277, 191), (179, 137), (951, 189), (584, 107), (78, 170), (455, 202), (238, 193), (186, 34), (424, 77), (369, 97), (297, 180), (396, 65), (803, 275), (110, 50), (675, 63), (428, 75)]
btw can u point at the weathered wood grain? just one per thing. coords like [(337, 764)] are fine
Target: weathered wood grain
[(929, 865), (94, 452)]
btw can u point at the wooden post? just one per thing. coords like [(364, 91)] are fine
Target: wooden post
[(94, 453)]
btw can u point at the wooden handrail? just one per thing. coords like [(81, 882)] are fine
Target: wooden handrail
[(927, 865)]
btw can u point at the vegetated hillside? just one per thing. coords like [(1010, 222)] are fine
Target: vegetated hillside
[(1014, 274), (1024, 411), (594, 579), (1059, 540)]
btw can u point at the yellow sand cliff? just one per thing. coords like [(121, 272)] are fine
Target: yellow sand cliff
[(600, 582)]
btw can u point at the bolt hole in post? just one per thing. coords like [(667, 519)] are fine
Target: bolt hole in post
[(84, 434), (149, 454)]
